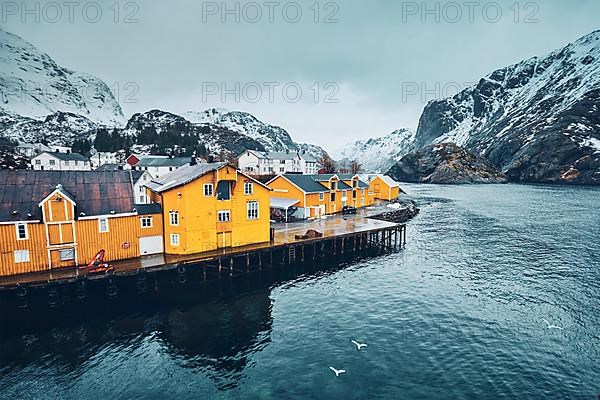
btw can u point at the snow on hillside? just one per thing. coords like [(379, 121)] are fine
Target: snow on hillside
[(33, 85), (537, 120), (378, 154)]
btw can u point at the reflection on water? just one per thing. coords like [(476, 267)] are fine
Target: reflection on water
[(459, 314)]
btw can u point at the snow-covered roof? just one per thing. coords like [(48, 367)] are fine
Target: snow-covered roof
[(183, 175), (388, 180), (66, 156), (283, 204)]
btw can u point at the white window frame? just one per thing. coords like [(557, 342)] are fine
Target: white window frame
[(252, 208), (248, 188), (321, 196), (174, 238), (60, 254), (362, 201), (211, 190), (26, 228), (144, 219), (21, 256), (224, 215), (174, 214), (100, 230), (363, 192)]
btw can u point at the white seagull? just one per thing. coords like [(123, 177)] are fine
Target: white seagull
[(337, 372), (359, 346), (550, 326)]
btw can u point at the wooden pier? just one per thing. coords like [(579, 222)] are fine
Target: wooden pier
[(344, 238)]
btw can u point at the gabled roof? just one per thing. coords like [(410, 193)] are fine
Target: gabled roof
[(62, 191), (111, 167), (189, 173), (315, 183), (256, 153), (66, 156), (323, 177), (387, 179), (306, 183), (348, 177), (282, 155), (183, 175), (94, 192), (151, 161)]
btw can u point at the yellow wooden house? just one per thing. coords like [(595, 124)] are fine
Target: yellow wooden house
[(58, 219), (321, 194), (384, 187), (211, 206)]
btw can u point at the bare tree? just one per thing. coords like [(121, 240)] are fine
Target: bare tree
[(355, 167), (326, 164)]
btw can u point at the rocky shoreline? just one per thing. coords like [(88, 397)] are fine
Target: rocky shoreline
[(445, 163), (404, 213)]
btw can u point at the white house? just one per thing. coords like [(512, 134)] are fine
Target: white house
[(158, 166), (53, 161), (101, 158), (262, 163), (140, 179)]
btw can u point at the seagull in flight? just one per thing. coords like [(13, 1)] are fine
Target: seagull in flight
[(359, 346), (337, 372), (550, 326)]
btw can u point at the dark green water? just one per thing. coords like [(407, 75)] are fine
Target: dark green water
[(459, 314)]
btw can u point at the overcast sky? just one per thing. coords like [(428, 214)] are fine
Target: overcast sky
[(364, 68)]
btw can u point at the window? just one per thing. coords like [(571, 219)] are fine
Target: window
[(21, 256), (333, 196), (252, 208), (334, 185), (67, 254), (224, 215), (354, 194), (354, 183), (38, 162), (22, 233), (345, 193), (248, 188), (142, 199), (208, 189), (174, 218), (103, 225), (363, 192), (141, 189), (362, 201), (224, 190), (146, 222), (321, 196), (52, 162), (174, 239)]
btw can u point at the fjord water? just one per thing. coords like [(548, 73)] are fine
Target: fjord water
[(459, 314)]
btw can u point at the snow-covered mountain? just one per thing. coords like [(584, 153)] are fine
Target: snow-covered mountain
[(219, 130), (41, 101), (33, 85), (538, 120), (378, 154), (272, 137)]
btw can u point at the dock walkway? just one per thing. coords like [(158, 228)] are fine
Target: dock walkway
[(358, 228)]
